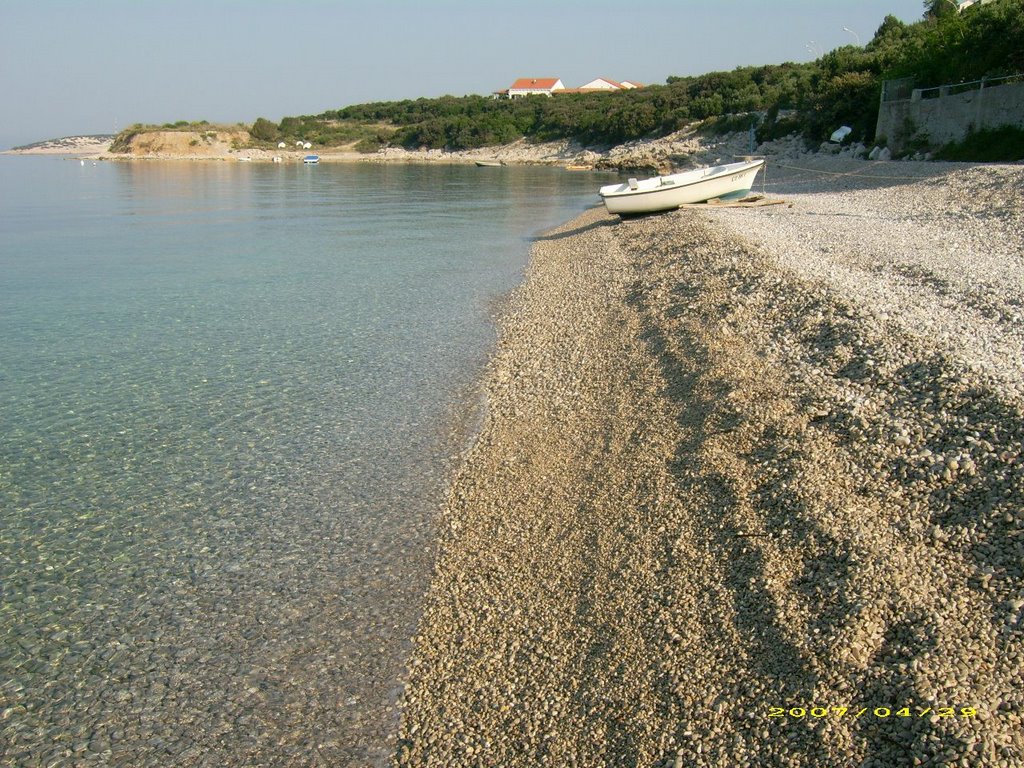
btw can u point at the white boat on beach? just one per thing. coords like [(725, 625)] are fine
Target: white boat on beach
[(665, 193), (311, 159)]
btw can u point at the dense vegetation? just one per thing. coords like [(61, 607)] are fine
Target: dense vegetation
[(840, 88), (987, 146)]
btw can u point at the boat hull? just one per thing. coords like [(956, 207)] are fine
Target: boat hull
[(666, 193)]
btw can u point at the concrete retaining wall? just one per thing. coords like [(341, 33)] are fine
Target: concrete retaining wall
[(950, 116)]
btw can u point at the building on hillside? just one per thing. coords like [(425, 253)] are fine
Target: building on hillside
[(964, 4), (526, 86), (604, 84), (601, 84), (534, 86)]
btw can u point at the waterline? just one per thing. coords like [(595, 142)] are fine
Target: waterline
[(223, 403)]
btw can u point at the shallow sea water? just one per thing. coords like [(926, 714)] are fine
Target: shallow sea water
[(225, 399)]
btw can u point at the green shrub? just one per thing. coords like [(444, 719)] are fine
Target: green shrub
[(841, 88), (1005, 144), (264, 130)]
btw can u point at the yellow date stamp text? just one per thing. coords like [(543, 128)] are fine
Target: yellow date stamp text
[(878, 712)]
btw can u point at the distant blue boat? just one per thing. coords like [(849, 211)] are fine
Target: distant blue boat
[(311, 159)]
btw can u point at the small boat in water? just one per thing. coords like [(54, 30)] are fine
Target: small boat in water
[(489, 163), (665, 193), (311, 159)]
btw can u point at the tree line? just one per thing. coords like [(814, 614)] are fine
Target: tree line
[(842, 87)]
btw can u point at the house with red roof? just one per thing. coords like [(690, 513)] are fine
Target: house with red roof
[(604, 84), (549, 86), (535, 86), (601, 84)]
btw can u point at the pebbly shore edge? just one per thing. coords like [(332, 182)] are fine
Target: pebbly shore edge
[(749, 490)]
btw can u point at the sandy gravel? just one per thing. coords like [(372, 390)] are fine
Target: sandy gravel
[(748, 492), (934, 248)]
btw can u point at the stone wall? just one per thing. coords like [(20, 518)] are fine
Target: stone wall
[(948, 117)]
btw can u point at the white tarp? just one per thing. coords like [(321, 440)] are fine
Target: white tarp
[(841, 134)]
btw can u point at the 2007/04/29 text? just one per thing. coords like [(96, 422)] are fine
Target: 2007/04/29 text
[(881, 712)]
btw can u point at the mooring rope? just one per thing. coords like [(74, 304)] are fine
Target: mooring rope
[(854, 173)]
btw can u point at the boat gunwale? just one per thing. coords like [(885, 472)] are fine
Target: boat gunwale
[(640, 192)]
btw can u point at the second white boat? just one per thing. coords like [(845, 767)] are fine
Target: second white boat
[(665, 193)]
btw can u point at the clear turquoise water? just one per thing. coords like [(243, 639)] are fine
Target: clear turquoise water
[(224, 398)]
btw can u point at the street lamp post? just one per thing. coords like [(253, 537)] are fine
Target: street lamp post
[(855, 35)]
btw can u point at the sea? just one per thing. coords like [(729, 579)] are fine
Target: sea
[(230, 395)]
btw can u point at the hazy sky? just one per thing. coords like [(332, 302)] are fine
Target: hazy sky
[(95, 66)]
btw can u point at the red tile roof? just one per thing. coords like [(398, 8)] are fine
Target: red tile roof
[(534, 84)]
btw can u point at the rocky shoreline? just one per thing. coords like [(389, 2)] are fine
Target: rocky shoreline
[(686, 148), (749, 491)]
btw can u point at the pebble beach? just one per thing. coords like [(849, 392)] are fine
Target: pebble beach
[(748, 489)]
